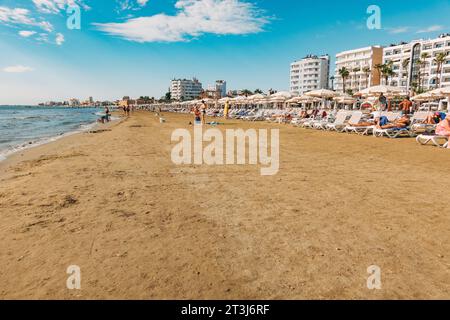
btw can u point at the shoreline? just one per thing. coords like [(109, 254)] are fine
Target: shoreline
[(38, 149)]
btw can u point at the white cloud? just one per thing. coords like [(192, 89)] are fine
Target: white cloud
[(131, 4), (194, 18), (55, 6), (142, 2), (59, 39), (26, 33), (17, 69), (22, 16), (398, 30), (434, 28)]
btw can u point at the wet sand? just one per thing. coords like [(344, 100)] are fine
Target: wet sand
[(141, 227)]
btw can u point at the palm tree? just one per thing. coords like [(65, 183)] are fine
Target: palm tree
[(258, 91), (405, 65), (440, 58), (246, 92), (387, 71), (367, 71), (379, 67), (355, 71), (422, 63), (344, 73)]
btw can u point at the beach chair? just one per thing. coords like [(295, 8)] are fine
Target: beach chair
[(358, 129), (321, 123), (392, 133), (436, 140), (417, 125), (340, 121)]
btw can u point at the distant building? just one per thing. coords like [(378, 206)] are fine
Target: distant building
[(406, 57), (74, 102), (310, 73), (183, 89), (358, 61), (126, 102), (221, 87)]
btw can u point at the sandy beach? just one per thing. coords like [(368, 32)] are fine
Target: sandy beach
[(141, 227)]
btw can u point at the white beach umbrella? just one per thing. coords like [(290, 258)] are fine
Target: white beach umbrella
[(283, 94), (386, 90), (322, 93), (256, 97), (427, 96), (224, 100), (440, 92), (344, 99), (293, 100)]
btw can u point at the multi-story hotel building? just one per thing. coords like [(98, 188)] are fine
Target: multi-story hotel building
[(415, 70), (361, 66), (310, 73), (221, 86), (183, 89)]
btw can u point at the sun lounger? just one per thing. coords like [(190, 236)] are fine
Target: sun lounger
[(417, 125), (366, 130), (392, 132), (438, 141), (341, 121)]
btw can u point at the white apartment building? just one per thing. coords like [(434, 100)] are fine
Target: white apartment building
[(361, 66), (310, 73), (221, 86), (183, 89), (409, 72)]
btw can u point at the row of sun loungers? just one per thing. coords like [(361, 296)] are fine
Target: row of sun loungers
[(342, 121)]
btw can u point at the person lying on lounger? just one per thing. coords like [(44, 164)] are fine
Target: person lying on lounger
[(304, 114), (435, 118), (443, 128), (375, 122), (401, 123)]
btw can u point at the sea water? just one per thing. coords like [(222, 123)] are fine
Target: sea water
[(23, 127)]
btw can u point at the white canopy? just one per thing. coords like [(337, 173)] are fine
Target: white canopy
[(224, 100), (387, 90), (427, 96), (345, 99), (441, 92), (322, 93), (283, 94)]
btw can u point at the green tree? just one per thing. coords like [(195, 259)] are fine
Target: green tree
[(405, 64), (440, 58), (344, 73), (367, 71), (422, 64)]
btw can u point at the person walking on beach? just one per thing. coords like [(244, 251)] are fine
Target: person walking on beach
[(107, 114), (226, 110), (383, 102), (203, 110)]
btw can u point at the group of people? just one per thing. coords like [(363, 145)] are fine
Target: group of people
[(127, 110), (200, 113)]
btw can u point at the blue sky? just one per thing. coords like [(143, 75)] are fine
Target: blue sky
[(135, 47)]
